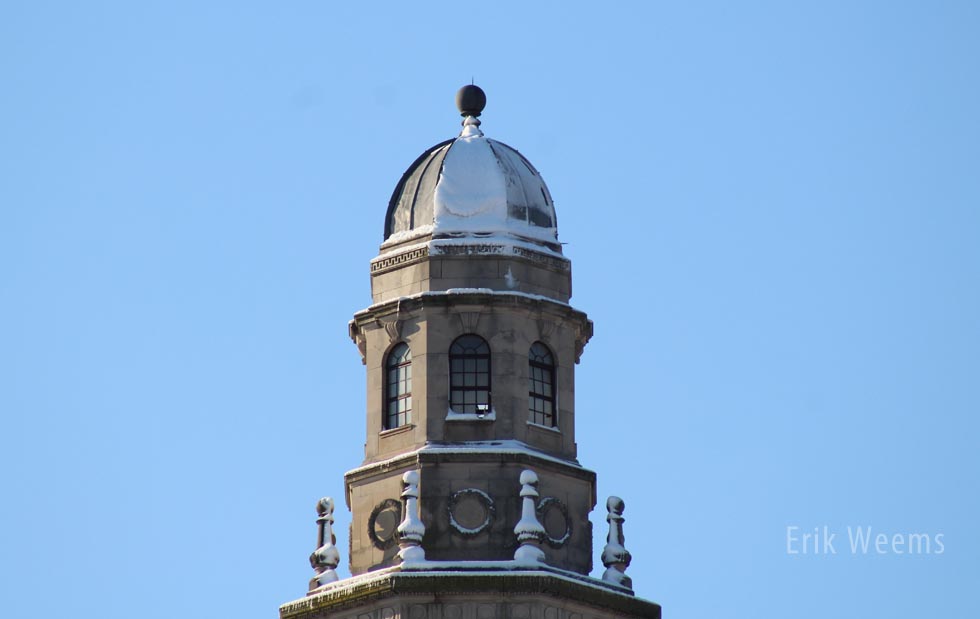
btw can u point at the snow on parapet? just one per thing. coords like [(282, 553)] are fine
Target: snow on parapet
[(529, 532), (449, 569)]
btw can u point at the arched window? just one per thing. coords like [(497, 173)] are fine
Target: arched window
[(398, 387), (469, 375), (541, 387)]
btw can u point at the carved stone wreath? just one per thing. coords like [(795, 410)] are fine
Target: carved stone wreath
[(391, 538), (485, 501), (549, 503)]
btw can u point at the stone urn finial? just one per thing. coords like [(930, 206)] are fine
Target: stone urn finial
[(530, 533), (615, 556), (412, 529), (326, 557)]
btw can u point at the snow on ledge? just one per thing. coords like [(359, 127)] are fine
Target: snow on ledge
[(492, 244), (454, 416), (446, 569), (496, 568), (544, 427), (407, 235), (458, 291)]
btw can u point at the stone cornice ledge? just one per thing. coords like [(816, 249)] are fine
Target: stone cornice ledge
[(474, 451), (376, 314), (504, 577), (503, 450), (474, 296)]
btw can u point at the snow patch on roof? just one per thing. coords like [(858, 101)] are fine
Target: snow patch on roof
[(472, 185), (471, 194), (407, 235)]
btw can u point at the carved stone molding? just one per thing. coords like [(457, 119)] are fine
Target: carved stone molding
[(357, 336), (380, 265), (555, 264), (582, 336), (469, 250), (393, 327), (545, 329), (469, 321)]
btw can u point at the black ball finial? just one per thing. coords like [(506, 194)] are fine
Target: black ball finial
[(471, 100)]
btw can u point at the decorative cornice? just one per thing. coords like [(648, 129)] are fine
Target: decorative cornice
[(552, 263), (381, 313), (385, 263), (357, 336), (469, 452), (413, 254), (482, 297)]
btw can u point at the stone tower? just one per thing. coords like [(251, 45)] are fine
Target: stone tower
[(470, 502)]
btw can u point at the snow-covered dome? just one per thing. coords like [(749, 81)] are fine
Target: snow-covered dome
[(472, 186)]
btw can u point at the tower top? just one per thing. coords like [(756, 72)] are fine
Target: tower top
[(470, 500)]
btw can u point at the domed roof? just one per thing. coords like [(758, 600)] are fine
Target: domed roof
[(472, 186)]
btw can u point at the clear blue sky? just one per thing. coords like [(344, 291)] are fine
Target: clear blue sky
[(773, 212)]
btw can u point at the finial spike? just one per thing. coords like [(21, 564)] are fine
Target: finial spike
[(529, 530), (326, 557), (615, 556), (412, 529)]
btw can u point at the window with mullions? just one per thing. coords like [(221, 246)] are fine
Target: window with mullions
[(398, 387), (469, 375), (541, 388)]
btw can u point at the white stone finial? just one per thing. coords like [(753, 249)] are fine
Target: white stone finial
[(530, 533), (412, 529), (471, 128), (326, 557), (615, 556)]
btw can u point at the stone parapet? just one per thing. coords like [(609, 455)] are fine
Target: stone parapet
[(475, 594)]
